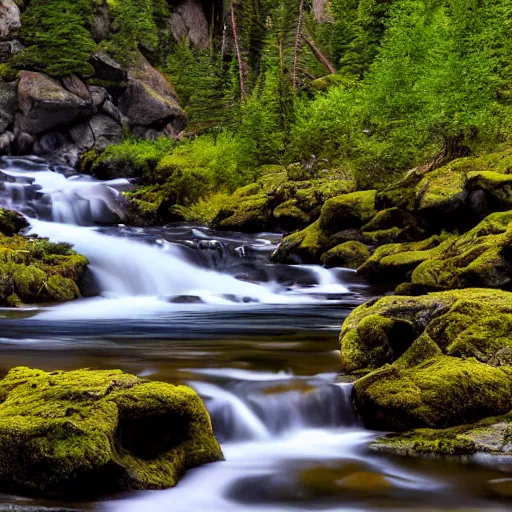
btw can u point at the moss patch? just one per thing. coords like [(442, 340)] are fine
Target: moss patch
[(348, 254), (35, 270), (98, 431), (438, 393), (461, 323)]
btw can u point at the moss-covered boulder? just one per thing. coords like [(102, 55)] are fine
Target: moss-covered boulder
[(98, 431), (440, 392), (348, 254), (348, 211), (11, 223), (408, 330), (492, 435), (34, 270), (479, 258)]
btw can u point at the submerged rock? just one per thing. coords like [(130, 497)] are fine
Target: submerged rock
[(86, 431)]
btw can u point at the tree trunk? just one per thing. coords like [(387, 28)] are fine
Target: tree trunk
[(321, 11), (318, 54), (238, 52), (298, 41)]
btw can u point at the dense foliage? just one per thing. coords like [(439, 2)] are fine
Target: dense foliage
[(374, 87)]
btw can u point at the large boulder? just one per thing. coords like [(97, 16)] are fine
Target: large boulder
[(44, 104), (10, 19), (150, 100), (438, 393), (85, 431), (407, 330)]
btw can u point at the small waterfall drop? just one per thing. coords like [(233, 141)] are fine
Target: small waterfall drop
[(66, 207)]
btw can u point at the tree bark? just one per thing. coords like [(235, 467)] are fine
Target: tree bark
[(318, 54), (238, 52), (298, 41)]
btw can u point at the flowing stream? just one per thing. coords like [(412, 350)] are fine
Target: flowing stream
[(257, 341)]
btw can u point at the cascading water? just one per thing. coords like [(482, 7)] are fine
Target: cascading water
[(259, 342), (67, 207)]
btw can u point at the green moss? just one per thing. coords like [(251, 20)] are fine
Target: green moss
[(248, 214), (348, 211), (57, 36), (11, 223), (441, 189), (463, 323), (438, 393), (98, 431), (7, 73), (130, 158), (348, 254), (35, 270), (304, 246)]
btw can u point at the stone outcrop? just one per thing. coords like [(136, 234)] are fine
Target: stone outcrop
[(149, 101), (189, 21), (45, 104), (68, 433), (10, 19)]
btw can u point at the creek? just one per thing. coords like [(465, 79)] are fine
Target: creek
[(258, 342)]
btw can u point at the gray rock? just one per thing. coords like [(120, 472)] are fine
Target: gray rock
[(110, 109), (44, 104), (9, 48), (8, 103), (10, 19), (24, 143), (149, 99), (106, 68), (6, 141), (98, 95), (50, 143), (82, 136), (74, 85), (189, 21), (106, 131)]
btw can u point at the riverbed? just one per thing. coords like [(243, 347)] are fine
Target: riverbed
[(258, 342)]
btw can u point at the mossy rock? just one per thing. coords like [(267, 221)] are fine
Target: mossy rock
[(35, 271), (479, 258), (11, 223), (305, 246), (441, 392), (249, 214), (492, 435), (395, 262), (290, 216), (85, 431), (442, 190), (408, 330), (348, 211), (349, 255)]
